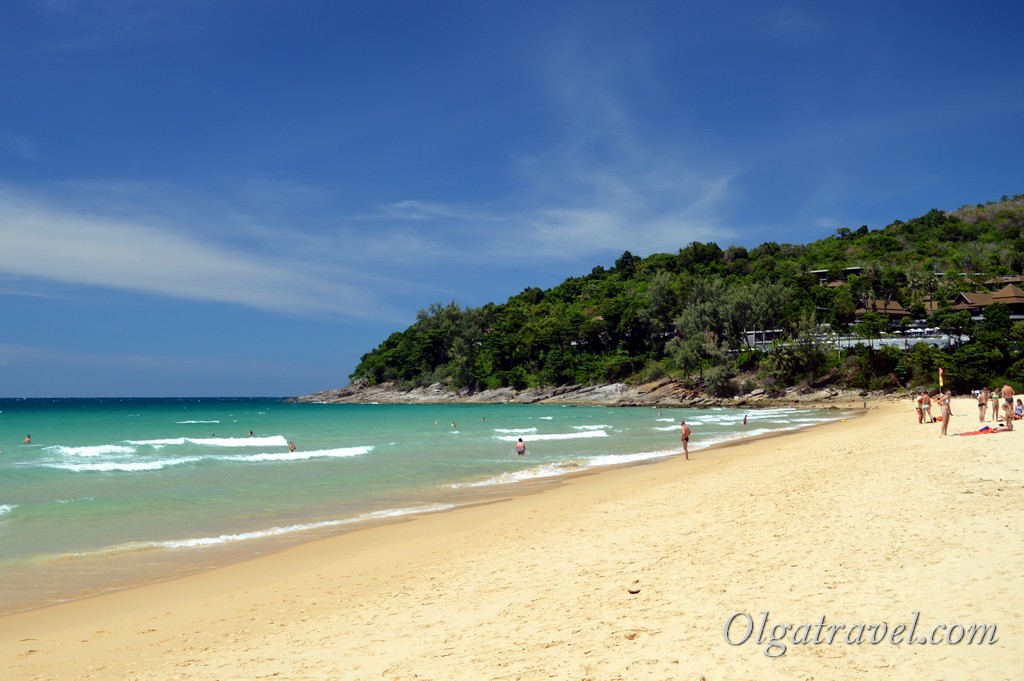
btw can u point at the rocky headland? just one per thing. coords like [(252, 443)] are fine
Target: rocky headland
[(666, 393)]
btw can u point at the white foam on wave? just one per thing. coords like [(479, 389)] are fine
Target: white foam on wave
[(557, 436), (537, 472), (555, 469), (7, 508), (268, 441), (302, 456), (595, 427), (158, 443), (122, 466), (91, 450), (181, 422), (666, 428), (616, 459), (516, 431)]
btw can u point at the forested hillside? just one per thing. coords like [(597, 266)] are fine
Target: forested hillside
[(689, 315)]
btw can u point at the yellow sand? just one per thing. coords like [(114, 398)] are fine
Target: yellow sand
[(862, 522)]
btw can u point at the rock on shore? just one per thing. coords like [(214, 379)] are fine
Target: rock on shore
[(662, 393)]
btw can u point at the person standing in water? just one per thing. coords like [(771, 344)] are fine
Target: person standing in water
[(521, 447), (684, 435)]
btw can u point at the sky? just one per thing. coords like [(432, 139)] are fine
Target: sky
[(242, 197)]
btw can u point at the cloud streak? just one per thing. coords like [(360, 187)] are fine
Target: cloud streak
[(48, 243)]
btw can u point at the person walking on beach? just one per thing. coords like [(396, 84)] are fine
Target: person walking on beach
[(685, 437), (521, 447), (982, 404), (946, 402)]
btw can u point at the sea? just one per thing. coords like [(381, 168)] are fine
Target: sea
[(112, 493)]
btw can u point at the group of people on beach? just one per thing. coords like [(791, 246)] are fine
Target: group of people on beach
[(994, 398)]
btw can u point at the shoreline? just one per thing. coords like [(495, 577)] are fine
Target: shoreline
[(840, 521), (140, 568)]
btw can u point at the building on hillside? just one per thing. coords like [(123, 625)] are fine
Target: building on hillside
[(1012, 297), (975, 303), (888, 308), (1003, 281), (931, 306), (843, 275)]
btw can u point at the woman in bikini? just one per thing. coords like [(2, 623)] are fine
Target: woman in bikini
[(946, 401)]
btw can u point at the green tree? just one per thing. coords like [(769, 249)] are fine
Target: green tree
[(871, 326)]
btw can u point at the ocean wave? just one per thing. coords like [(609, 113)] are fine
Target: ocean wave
[(182, 422), (7, 508), (597, 427), (558, 468), (91, 450), (550, 470), (158, 443), (268, 441), (583, 434), (122, 466), (302, 456), (516, 431), (616, 459)]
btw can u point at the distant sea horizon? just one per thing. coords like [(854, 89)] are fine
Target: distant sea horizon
[(112, 492)]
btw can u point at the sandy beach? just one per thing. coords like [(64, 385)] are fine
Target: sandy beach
[(881, 544)]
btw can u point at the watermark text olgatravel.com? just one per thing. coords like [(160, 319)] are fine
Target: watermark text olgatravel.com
[(741, 628)]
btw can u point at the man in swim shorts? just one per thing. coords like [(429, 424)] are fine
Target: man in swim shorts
[(685, 437), (1007, 393)]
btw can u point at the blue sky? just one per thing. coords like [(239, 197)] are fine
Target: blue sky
[(228, 197)]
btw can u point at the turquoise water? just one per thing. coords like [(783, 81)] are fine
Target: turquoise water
[(114, 492)]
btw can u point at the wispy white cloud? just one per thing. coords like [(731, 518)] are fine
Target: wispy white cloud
[(46, 242), (607, 183)]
